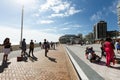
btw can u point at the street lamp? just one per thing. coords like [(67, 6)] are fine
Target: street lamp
[(22, 16), (23, 2), (22, 23)]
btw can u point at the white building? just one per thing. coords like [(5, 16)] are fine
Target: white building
[(118, 13)]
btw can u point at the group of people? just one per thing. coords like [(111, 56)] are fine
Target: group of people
[(24, 47), (46, 46), (107, 50), (7, 48), (52, 45)]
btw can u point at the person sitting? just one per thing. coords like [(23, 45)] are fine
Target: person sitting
[(95, 58), (91, 56), (87, 52), (90, 53)]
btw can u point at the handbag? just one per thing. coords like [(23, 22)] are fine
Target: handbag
[(19, 58)]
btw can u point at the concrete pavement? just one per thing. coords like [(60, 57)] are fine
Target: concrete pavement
[(56, 66), (94, 71)]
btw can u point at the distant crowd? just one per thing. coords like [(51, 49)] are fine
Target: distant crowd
[(23, 46)]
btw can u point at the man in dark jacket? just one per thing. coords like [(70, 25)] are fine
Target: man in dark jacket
[(46, 47), (23, 47), (31, 47)]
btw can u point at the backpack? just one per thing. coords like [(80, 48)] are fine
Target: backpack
[(31, 45)]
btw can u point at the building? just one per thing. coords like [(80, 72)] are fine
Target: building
[(118, 13), (100, 30), (69, 39), (113, 34)]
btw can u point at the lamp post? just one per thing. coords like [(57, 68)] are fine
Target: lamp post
[(22, 15)]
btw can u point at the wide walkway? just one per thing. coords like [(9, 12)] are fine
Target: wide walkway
[(94, 71), (56, 66)]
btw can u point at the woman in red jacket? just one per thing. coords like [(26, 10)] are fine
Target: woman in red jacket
[(109, 49)]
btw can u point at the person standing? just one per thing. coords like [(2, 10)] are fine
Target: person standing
[(46, 47), (102, 48), (23, 47), (118, 46), (7, 48), (31, 47), (109, 49), (40, 44)]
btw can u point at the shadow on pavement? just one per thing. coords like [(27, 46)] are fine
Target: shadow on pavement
[(52, 59), (33, 58), (4, 65), (25, 57), (115, 67), (102, 63)]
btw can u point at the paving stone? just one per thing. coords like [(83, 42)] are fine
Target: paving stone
[(53, 67)]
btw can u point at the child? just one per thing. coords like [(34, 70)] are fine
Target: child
[(91, 56)]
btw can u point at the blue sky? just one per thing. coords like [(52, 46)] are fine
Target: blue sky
[(52, 18)]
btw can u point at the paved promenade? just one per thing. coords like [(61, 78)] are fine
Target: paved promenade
[(56, 66), (94, 71)]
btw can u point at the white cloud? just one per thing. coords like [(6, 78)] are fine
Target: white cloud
[(96, 16), (72, 11), (29, 5), (59, 8), (56, 15), (50, 30), (66, 23), (36, 15), (69, 26), (65, 28), (69, 12), (101, 14), (45, 22), (113, 7), (49, 4), (14, 35), (77, 26)]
